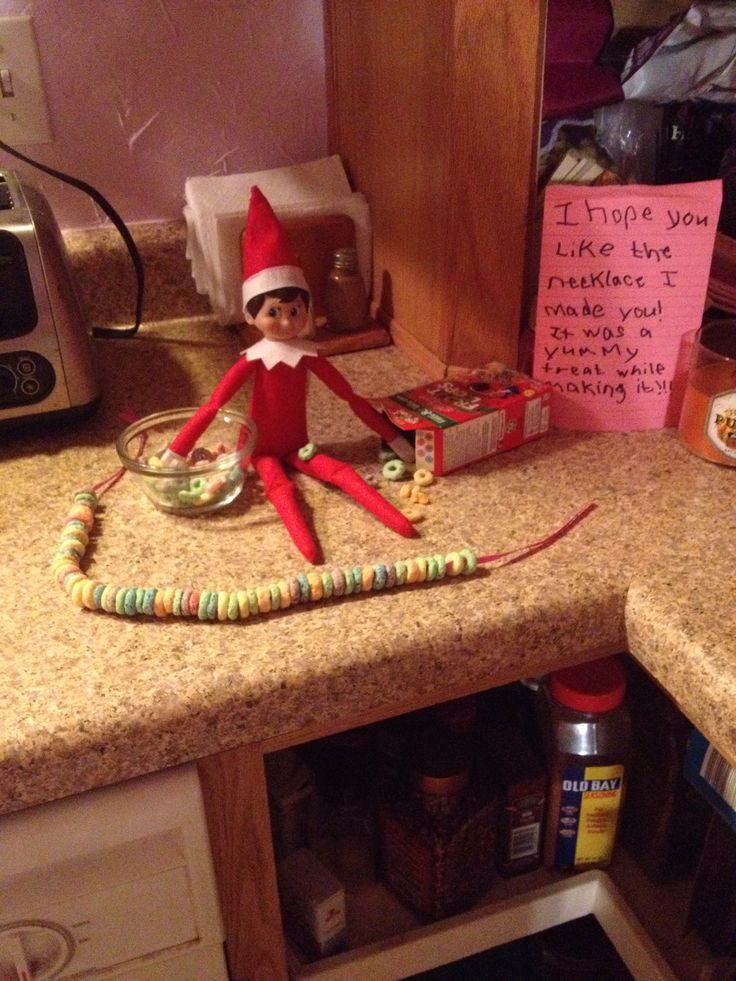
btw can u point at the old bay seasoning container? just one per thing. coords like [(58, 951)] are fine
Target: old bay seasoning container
[(587, 734)]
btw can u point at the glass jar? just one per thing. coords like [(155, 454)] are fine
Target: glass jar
[(587, 735), (345, 296), (708, 418), (438, 834)]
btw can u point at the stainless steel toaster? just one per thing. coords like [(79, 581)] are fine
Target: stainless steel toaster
[(46, 362)]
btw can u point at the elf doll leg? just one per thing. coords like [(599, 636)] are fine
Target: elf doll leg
[(343, 476), (282, 494)]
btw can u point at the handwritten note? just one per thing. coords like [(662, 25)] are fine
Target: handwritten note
[(623, 277)]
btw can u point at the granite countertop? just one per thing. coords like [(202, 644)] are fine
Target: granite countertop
[(90, 698)]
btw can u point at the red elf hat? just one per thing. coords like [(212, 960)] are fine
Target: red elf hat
[(269, 262)]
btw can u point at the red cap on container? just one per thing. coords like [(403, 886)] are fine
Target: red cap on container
[(597, 686)]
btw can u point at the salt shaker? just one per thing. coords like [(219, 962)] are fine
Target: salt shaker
[(345, 298)]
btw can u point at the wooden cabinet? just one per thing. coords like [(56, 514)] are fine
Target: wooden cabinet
[(433, 108), (235, 796), (234, 792)]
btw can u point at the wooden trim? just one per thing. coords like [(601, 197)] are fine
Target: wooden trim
[(502, 921), (416, 351), (333, 117), (236, 804)]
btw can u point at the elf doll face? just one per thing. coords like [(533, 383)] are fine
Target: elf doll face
[(280, 320)]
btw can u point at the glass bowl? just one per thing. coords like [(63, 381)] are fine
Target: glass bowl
[(212, 474)]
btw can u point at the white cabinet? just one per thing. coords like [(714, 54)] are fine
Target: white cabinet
[(114, 883)]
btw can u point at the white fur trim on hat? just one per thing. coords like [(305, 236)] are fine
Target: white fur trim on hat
[(273, 278)]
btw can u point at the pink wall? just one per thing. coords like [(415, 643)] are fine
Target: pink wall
[(145, 93)]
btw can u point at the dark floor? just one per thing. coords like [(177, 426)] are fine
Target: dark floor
[(575, 951)]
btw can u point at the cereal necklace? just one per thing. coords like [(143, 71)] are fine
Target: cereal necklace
[(224, 605), (207, 604)]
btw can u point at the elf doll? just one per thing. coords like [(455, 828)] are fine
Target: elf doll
[(276, 300)]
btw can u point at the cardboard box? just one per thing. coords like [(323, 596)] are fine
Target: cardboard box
[(470, 415), (312, 904), (712, 775)]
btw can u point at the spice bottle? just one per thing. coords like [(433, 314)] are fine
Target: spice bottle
[(345, 297), (510, 748), (522, 784), (346, 840), (291, 800), (438, 835), (587, 734)]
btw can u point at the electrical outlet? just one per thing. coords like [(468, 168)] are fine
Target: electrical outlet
[(24, 115)]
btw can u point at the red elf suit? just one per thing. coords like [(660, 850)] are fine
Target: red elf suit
[(278, 401)]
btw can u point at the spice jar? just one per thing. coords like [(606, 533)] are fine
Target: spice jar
[(587, 733), (346, 841), (345, 297), (291, 801), (510, 748), (438, 834)]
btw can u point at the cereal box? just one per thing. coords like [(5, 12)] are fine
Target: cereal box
[(470, 415)]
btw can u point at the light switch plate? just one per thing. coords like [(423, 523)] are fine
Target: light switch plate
[(24, 115)]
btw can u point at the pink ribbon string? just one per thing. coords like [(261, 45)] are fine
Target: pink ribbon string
[(524, 551), (127, 415), (104, 485)]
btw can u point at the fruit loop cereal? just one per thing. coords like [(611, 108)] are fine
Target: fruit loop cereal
[(394, 469), (194, 490), (208, 604), (253, 601), (423, 477)]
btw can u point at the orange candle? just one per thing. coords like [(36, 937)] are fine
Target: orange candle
[(708, 417)]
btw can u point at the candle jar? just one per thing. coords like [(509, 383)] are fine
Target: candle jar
[(708, 417)]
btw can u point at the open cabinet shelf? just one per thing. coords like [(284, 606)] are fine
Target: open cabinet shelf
[(645, 922), (512, 910)]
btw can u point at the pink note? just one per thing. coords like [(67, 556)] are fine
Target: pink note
[(622, 283)]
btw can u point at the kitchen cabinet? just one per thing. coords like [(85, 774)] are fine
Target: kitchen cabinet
[(433, 108), (235, 791)]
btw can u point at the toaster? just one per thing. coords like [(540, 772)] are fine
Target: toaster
[(46, 358)]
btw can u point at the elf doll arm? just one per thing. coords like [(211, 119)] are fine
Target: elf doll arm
[(337, 383), (227, 387)]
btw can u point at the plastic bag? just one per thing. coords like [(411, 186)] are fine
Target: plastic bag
[(629, 132), (691, 58)]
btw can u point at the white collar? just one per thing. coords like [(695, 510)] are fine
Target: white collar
[(277, 352)]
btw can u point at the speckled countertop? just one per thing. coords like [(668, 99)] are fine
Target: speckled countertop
[(89, 698)]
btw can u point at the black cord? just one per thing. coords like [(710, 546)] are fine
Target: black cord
[(117, 222)]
